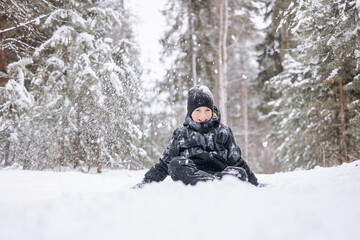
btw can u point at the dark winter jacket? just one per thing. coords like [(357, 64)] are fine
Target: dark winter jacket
[(211, 146)]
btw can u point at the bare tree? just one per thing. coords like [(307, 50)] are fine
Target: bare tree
[(244, 114), (222, 48), (191, 42)]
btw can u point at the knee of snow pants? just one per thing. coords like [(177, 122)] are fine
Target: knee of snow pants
[(184, 169)]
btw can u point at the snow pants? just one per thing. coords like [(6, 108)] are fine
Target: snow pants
[(185, 170)]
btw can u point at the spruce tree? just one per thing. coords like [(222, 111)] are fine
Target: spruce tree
[(16, 103), (86, 91), (317, 108)]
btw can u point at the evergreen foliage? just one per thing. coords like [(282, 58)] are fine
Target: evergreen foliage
[(318, 105), (86, 96), (269, 59), (70, 94), (19, 26)]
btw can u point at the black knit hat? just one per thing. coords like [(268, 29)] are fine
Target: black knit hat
[(199, 96)]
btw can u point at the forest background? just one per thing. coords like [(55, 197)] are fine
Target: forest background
[(73, 93)]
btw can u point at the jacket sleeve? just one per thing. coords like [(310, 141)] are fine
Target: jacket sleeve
[(160, 170), (234, 158)]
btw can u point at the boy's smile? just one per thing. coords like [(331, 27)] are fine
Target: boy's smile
[(201, 114)]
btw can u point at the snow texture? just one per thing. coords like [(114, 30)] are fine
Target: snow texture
[(202, 91), (318, 204), (206, 90), (22, 98)]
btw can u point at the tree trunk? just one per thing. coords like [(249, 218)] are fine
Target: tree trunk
[(78, 133), (180, 116), (223, 28), (244, 114), (63, 92), (62, 138), (191, 42), (216, 91), (100, 162), (358, 37), (285, 38), (3, 67), (225, 59), (221, 81), (7, 153), (343, 145), (171, 87), (3, 64)]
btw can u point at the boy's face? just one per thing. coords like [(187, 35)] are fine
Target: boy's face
[(201, 114)]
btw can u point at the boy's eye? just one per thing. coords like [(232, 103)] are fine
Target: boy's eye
[(208, 110)]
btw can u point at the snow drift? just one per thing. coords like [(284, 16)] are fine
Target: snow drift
[(323, 203)]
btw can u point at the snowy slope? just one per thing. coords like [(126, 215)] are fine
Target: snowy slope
[(323, 203)]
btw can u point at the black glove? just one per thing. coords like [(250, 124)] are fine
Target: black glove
[(204, 156), (209, 158), (253, 180), (139, 185)]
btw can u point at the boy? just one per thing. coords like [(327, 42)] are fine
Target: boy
[(202, 148)]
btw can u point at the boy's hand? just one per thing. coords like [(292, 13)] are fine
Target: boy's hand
[(253, 180), (202, 156)]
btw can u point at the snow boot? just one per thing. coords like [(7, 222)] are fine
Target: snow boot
[(237, 172)]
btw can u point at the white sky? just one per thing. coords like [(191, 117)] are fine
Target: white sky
[(149, 28)]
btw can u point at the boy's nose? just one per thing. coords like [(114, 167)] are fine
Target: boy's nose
[(203, 117)]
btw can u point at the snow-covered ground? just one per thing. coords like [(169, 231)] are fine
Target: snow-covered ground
[(323, 203)]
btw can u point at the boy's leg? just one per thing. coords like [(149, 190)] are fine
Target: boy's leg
[(185, 170)]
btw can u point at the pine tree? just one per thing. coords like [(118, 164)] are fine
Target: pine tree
[(86, 90), (16, 102), (270, 59), (317, 107)]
